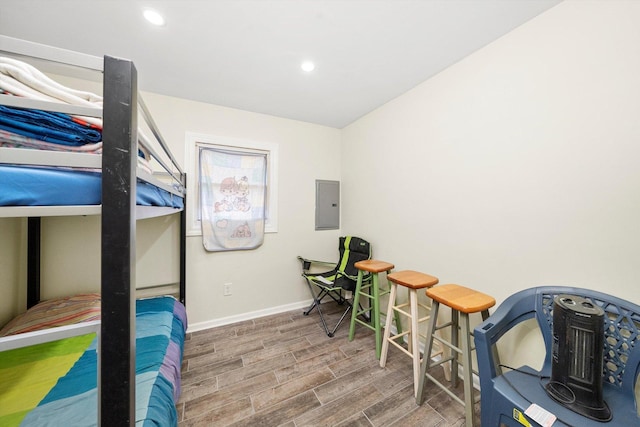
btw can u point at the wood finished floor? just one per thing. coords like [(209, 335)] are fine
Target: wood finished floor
[(283, 370)]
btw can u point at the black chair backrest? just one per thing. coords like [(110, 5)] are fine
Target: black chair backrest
[(352, 249)]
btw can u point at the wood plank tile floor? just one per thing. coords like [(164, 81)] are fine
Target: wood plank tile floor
[(283, 370)]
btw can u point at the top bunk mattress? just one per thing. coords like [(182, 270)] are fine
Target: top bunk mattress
[(42, 186)]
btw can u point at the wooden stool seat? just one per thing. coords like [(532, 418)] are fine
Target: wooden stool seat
[(412, 280), (374, 266), (463, 302), (459, 298), (370, 291)]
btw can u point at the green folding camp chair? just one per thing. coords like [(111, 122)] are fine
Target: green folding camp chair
[(337, 282)]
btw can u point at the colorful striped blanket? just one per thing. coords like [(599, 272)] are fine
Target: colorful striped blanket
[(54, 383)]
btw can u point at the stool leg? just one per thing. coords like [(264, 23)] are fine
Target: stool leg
[(396, 315), (387, 328), (455, 341), (376, 313), (446, 367), (356, 304), (398, 320), (428, 347), (468, 369), (413, 342)]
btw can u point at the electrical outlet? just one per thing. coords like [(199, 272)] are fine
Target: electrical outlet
[(226, 289)]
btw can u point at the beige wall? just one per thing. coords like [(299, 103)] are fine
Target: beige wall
[(516, 167), (267, 278), (12, 246)]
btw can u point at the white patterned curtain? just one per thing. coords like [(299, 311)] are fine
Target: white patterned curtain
[(232, 199)]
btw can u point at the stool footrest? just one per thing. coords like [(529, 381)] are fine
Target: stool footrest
[(448, 344), (363, 312), (442, 361), (399, 307), (401, 348), (439, 351), (365, 324), (451, 346), (400, 335), (449, 392), (443, 325), (445, 389)]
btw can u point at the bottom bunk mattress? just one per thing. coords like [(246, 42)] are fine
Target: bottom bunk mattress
[(40, 186), (54, 384)]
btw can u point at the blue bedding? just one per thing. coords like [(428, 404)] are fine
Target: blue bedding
[(72, 399), (39, 186), (58, 128)]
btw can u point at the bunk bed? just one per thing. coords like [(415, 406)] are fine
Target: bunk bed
[(112, 338)]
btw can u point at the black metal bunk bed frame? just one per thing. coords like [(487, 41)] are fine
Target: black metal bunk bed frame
[(116, 374)]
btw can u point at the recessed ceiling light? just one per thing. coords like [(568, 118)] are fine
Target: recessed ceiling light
[(154, 17), (307, 66)]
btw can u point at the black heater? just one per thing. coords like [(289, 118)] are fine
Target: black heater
[(576, 368)]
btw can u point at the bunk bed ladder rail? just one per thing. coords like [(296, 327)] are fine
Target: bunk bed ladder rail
[(119, 161)]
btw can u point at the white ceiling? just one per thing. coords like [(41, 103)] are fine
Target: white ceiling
[(246, 54)]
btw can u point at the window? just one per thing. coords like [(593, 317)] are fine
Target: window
[(195, 143)]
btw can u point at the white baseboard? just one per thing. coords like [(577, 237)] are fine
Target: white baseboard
[(248, 316)]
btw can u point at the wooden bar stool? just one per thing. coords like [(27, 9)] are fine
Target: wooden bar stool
[(372, 292), (462, 301), (412, 280)]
